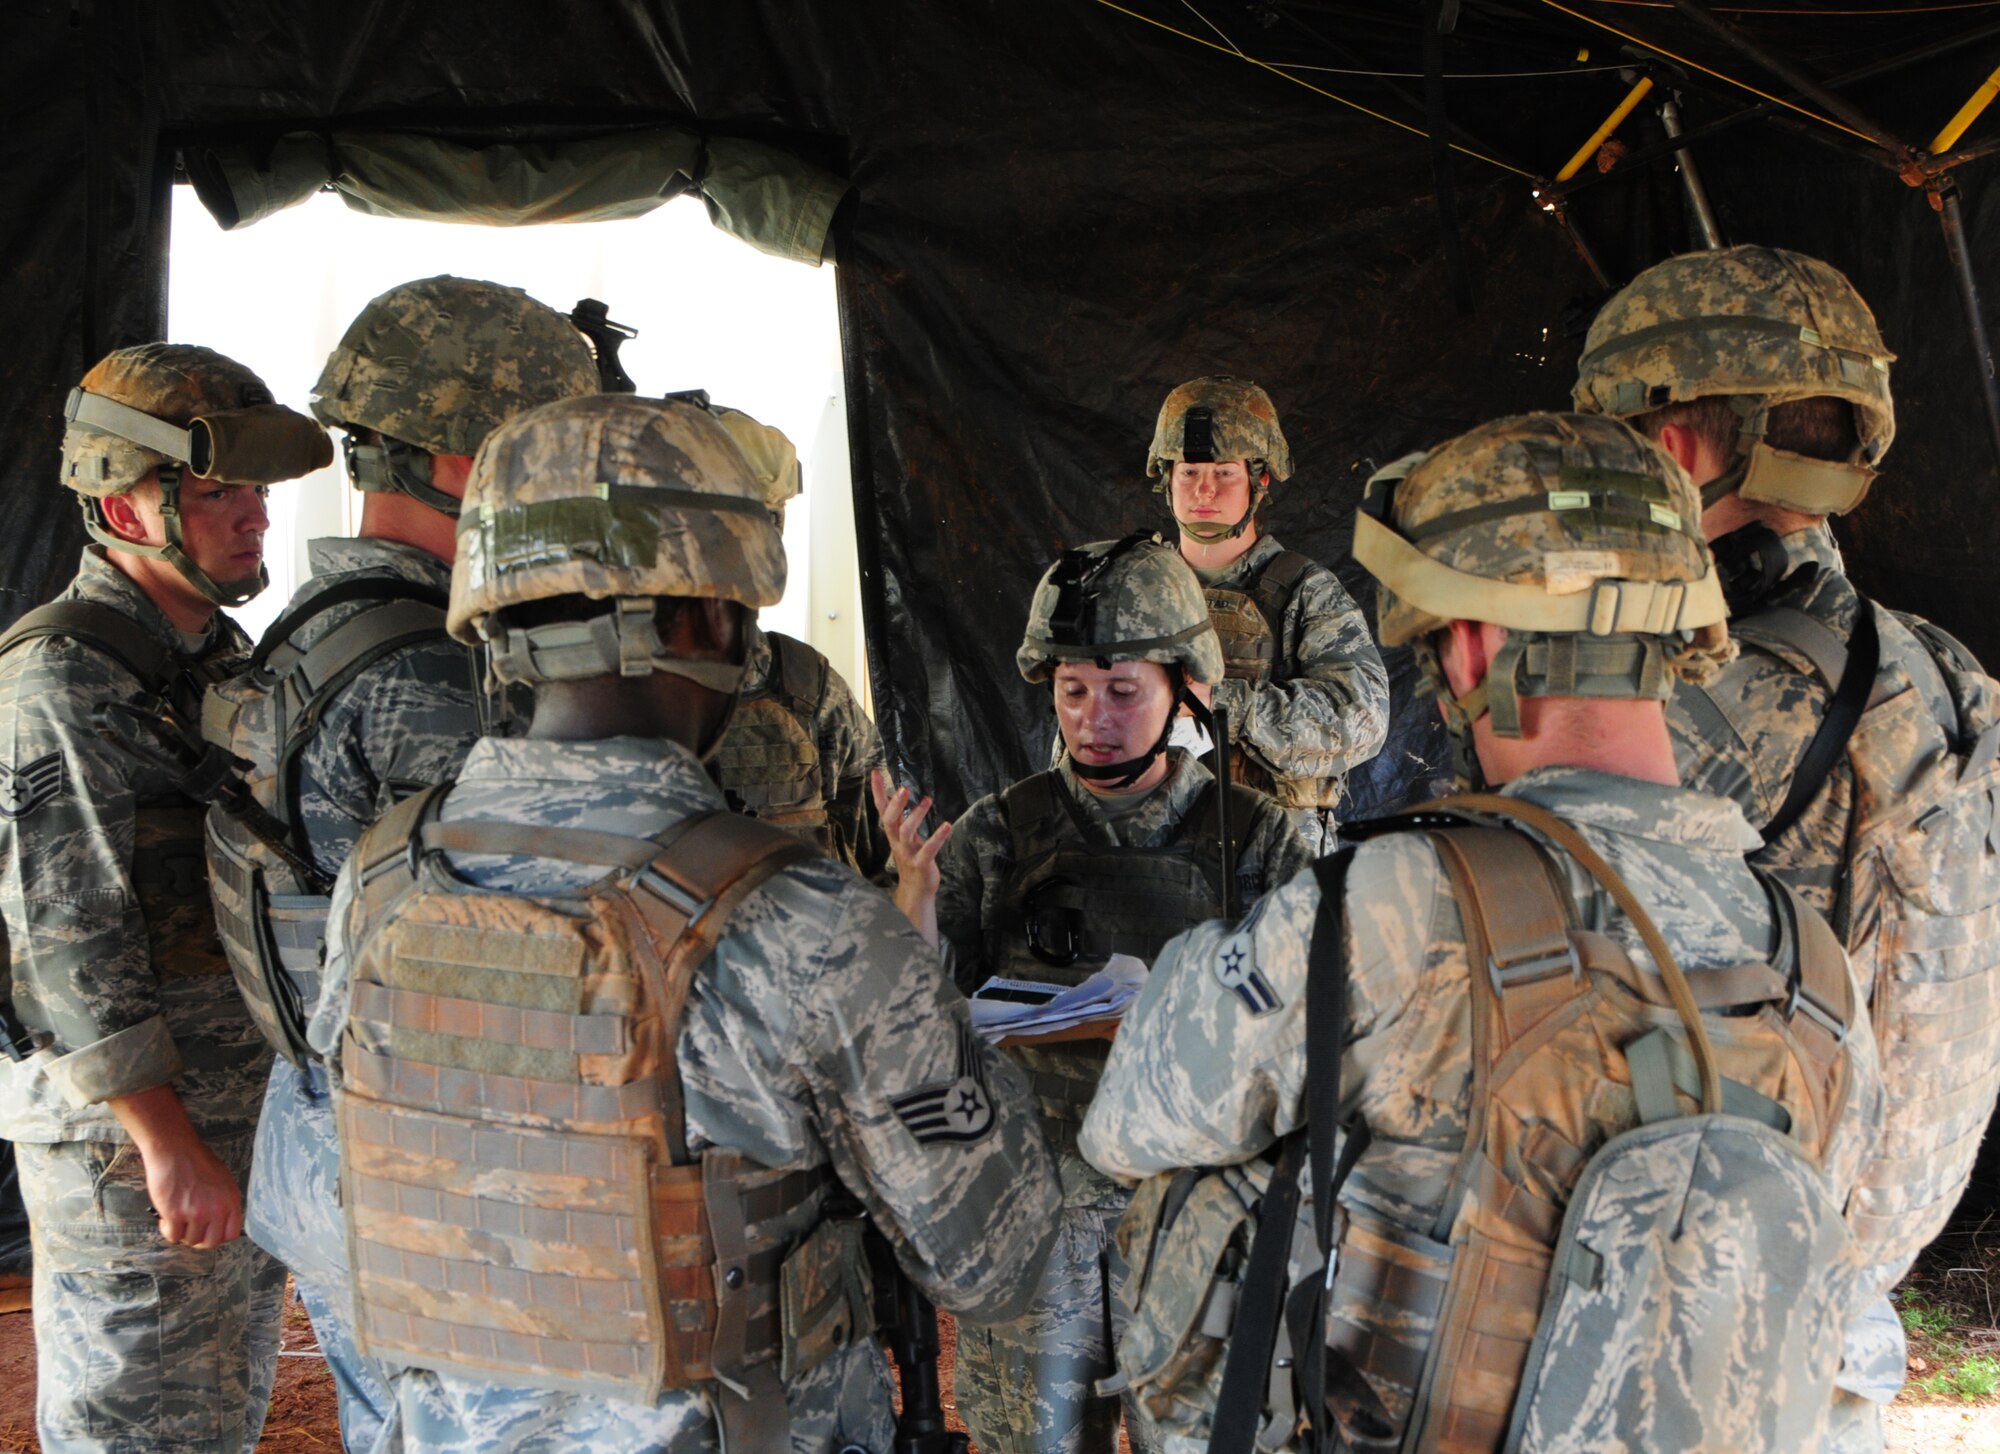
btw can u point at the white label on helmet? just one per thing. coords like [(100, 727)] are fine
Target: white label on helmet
[(1572, 572)]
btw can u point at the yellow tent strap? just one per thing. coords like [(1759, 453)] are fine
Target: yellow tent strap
[(1316, 90), (1603, 133), (1698, 66), (1967, 114)]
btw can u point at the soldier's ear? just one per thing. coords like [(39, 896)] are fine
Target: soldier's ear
[(1463, 654), (123, 516)]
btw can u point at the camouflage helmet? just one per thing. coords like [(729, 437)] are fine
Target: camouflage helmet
[(1209, 420), (1577, 534), (772, 458), (1133, 599), (610, 497), (1760, 326), (179, 409), (437, 365)]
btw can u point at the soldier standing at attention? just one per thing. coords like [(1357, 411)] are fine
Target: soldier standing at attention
[(607, 1052), (1858, 741), (799, 749), (156, 1324), (1113, 851), (1305, 689), (356, 699), (1518, 992)]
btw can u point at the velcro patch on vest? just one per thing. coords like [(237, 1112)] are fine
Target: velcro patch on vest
[(960, 1109), (1236, 971), (24, 789)]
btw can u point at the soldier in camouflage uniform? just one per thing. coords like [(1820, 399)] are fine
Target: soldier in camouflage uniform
[(1111, 851), (1763, 373), (820, 1038), (424, 373), (800, 749), (156, 1324), (1210, 1067), (1305, 689)]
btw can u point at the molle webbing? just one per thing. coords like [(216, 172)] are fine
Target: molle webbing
[(1251, 622), (768, 763), (521, 1201)]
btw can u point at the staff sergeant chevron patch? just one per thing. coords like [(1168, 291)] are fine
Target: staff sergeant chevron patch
[(960, 1109), (24, 789)]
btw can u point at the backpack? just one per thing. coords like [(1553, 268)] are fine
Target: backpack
[(1610, 1270)]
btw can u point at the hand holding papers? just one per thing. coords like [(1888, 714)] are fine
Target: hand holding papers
[(1014, 1009)]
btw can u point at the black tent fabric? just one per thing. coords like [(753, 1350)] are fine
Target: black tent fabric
[(1061, 209)]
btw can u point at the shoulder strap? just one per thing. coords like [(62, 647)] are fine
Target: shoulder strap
[(386, 856), (1027, 806), (111, 631), (794, 664), (684, 898), (1274, 588), (368, 586), (1810, 637), (1828, 746)]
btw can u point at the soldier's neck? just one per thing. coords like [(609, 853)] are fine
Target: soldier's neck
[(1215, 554), (1624, 737), (187, 608), (407, 522)]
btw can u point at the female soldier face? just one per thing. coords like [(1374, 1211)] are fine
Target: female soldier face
[(1111, 714), (1211, 494)]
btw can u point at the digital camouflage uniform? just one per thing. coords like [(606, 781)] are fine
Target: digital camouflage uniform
[(1761, 327), (1307, 694), (1198, 1079), (801, 759), (405, 722), (1024, 1387), (142, 1344)]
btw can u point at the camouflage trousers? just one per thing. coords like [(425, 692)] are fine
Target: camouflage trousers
[(293, 1213), (141, 1346), (844, 1402), (1873, 1364), (1026, 1386)]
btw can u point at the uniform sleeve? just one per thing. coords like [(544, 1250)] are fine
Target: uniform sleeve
[(850, 749), (1209, 1067), (1281, 853), (329, 1017), (930, 1127), (970, 866), (1330, 710), (82, 971)]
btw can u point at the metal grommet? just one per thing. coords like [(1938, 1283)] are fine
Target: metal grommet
[(733, 1278)]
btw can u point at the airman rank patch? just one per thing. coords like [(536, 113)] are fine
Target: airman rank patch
[(960, 1109), (24, 789), (1236, 970)]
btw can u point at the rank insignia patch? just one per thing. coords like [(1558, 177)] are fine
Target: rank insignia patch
[(960, 1109), (1236, 970), (24, 789)]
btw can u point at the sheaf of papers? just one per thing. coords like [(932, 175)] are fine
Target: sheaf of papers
[(1003, 1007)]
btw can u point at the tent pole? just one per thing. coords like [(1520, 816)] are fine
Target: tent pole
[(1603, 133), (1697, 195), (1970, 112), (1944, 198)]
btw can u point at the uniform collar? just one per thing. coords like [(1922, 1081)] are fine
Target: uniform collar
[(1613, 803), (1813, 545), (1164, 809), (99, 581), (645, 765), (338, 554), (1245, 568)]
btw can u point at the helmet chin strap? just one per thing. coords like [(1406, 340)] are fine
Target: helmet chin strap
[(1459, 715), (1210, 533), (1122, 775)]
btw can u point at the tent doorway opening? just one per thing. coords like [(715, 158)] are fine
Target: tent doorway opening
[(760, 333)]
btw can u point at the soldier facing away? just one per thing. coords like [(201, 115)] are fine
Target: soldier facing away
[(156, 1323), (356, 699), (799, 750), (609, 1054), (1306, 694), (1507, 1013), (1112, 851), (1762, 372)]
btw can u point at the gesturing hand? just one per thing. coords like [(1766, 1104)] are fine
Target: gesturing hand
[(915, 853)]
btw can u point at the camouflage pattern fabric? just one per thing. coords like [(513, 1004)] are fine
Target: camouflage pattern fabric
[(1198, 1077), (82, 969), (1143, 604), (845, 748), (1325, 709), (443, 362), (405, 722), (142, 1344), (1025, 1385), (1244, 425), (174, 382), (818, 1013)]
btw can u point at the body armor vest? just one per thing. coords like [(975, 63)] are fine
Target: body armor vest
[(768, 764), (271, 918), (1070, 903), (522, 1205), (169, 878), (1918, 906), (1251, 623), (1571, 1050)]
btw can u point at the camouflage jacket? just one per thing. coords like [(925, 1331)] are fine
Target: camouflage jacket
[(1777, 703), (819, 1012), (403, 724), (977, 860), (82, 968), (1326, 707), (843, 743)]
